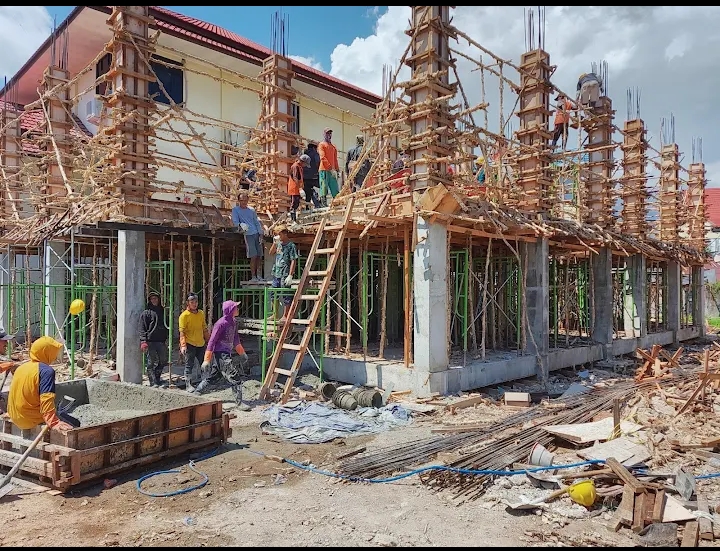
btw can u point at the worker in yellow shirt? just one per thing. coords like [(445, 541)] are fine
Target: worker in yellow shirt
[(31, 399), (194, 336)]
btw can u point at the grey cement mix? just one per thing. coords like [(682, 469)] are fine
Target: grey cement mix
[(91, 414)]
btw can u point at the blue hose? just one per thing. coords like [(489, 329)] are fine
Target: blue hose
[(482, 472), (176, 471)]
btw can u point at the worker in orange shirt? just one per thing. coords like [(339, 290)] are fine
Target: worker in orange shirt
[(562, 119), (5, 363), (296, 184), (329, 167), (31, 399)]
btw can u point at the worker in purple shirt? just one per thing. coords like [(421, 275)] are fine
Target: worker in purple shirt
[(218, 355)]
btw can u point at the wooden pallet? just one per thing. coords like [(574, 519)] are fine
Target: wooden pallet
[(333, 253)]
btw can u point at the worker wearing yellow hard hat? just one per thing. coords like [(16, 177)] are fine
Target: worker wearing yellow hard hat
[(480, 162)]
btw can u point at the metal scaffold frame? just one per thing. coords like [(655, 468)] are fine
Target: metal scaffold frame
[(570, 289)]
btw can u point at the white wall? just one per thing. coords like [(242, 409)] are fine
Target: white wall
[(80, 107), (208, 95)]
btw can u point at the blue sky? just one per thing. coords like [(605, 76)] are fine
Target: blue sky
[(314, 30)]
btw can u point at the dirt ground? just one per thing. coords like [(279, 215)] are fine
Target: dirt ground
[(252, 501)]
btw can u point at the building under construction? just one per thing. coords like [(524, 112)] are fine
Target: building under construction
[(423, 279)]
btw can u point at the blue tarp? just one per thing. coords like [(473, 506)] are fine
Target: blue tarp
[(315, 423)]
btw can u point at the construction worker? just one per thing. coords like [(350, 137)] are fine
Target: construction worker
[(589, 87), (153, 338), (218, 355), (480, 176), (246, 220), (194, 335), (286, 256), (329, 168), (5, 363), (562, 119), (311, 175), (31, 399), (352, 158), (401, 162), (296, 185), (248, 175)]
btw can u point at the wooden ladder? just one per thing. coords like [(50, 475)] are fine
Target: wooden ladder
[(309, 323)]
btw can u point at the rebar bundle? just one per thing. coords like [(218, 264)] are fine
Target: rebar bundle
[(495, 447)]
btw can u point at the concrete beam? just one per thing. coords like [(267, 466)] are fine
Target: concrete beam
[(430, 272), (537, 298), (130, 304)]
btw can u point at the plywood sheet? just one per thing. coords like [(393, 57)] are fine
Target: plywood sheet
[(584, 433), (623, 449)]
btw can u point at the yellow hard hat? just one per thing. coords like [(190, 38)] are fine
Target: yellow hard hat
[(77, 306), (583, 492), (480, 160)]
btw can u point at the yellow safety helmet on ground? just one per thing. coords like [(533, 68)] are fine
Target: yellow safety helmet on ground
[(583, 492)]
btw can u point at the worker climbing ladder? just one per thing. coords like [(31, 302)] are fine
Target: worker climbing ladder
[(309, 323)]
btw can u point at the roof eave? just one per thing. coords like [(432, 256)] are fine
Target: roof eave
[(303, 75), (44, 46)]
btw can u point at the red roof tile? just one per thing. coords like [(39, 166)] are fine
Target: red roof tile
[(712, 206), (242, 47), (30, 121)]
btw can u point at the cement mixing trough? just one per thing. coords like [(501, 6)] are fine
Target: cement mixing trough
[(123, 426)]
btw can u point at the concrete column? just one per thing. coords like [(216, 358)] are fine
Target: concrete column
[(698, 286), (430, 272), (537, 300), (602, 298), (56, 281), (674, 289), (635, 311), (130, 304)]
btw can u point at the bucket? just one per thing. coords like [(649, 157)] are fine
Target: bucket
[(344, 400), (368, 397), (326, 390), (540, 456), (109, 376)]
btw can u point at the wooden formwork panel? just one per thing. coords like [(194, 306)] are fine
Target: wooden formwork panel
[(88, 453)]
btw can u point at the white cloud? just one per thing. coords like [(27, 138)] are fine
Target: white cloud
[(677, 47), (309, 61), (671, 53), (373, 12), (712, 173), (22, 30)]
